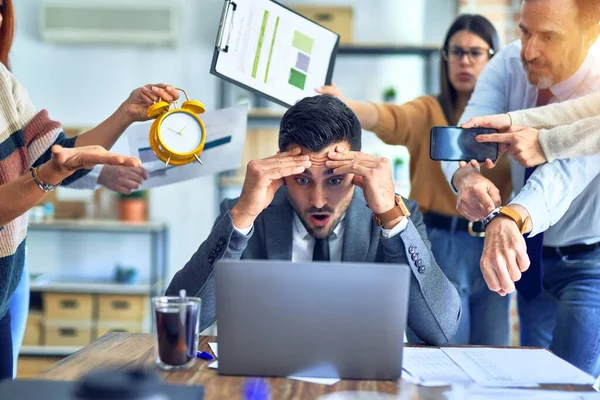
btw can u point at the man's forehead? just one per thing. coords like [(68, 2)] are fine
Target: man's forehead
[(318, 170), (548, 17)]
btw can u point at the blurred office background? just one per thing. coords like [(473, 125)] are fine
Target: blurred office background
[(94, 272)]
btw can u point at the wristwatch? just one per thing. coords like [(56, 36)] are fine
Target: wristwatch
[(515, 216), (399, 210), (46, 187)]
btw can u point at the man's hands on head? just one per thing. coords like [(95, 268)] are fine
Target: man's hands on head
[(263, 179), (372, 174)]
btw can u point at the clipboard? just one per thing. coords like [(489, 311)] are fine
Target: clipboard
[(271, 50)]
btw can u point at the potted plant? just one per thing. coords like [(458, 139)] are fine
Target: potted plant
[(389, 94), (398, 164), (132, 207)]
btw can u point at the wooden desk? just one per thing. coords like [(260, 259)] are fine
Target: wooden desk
[(126, 350)]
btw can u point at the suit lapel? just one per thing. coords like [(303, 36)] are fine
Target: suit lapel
[(357, 229), (278, 227)]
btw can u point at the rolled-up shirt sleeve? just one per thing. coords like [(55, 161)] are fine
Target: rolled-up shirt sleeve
[(552, 187)]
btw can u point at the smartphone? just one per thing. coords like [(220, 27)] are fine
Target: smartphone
[(453, 143)]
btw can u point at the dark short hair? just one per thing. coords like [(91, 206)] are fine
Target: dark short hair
[(318, 122)]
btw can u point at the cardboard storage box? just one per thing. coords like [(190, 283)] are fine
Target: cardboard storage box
[(121, 307), (67, 306), (337, 19), (67, 333)]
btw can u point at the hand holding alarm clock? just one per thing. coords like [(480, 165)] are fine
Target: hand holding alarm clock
[(177, 135)]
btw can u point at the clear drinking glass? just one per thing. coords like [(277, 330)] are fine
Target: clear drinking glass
[(176, 329)]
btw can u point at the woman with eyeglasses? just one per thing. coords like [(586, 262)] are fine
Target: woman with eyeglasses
[(469, 44)]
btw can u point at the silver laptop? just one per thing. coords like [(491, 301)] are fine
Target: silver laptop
[(326, 320)]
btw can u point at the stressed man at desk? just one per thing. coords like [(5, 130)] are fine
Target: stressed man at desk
[(321, 199)]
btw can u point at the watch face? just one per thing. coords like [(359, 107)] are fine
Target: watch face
[(180, 133)]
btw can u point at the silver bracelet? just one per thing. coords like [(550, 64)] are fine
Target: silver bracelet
[(490, 217), (46, 187)]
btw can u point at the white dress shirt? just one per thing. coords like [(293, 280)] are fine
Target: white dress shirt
[(303, 243), (563, 196)]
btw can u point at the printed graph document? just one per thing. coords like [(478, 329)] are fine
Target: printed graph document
[(480, 393), (430, 366), (514, 367), (269, 49), (321, 381), (225, 136)]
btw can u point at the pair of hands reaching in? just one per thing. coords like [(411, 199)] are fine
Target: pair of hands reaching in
[(65, 161), (264, 177), (522, 143)]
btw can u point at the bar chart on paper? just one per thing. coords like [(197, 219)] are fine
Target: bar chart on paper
[(276, 52), (304, 45)]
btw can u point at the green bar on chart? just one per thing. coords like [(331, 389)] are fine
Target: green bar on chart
[(260, 43), (303, 42), (297, 79), (271, 50)]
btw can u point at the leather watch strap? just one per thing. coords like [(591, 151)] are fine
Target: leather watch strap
[(399, 210), (515, 216)]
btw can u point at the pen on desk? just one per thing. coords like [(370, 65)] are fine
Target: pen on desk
[(204, 355)]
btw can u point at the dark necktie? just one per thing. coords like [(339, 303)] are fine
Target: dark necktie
[(321, 251), (530, 284)]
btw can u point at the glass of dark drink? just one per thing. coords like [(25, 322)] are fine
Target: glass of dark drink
[(176, 329)]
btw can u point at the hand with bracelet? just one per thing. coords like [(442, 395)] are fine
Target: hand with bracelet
[(56, 158), (65, 161)]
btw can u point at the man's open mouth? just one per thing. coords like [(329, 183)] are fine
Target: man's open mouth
[(319, 219)]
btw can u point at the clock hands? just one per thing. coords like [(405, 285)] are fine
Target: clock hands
[(180, 133)]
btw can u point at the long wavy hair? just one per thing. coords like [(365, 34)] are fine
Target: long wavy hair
[(7, 31)]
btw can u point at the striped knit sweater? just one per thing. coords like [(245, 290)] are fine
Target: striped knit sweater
[(26, 137)]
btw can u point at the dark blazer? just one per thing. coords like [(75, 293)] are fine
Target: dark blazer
[(434, 304)]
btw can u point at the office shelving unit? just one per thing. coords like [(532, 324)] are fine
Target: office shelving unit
[(40, 286)]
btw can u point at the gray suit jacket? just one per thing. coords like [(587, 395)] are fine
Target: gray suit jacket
[(434, 304)]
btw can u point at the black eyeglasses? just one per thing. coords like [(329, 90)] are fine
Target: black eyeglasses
[(475, 54)]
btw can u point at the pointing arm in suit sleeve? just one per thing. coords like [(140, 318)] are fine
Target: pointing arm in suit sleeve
[(434, 304), (196, 277)]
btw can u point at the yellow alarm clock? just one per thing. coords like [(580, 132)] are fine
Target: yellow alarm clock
[(177, 135)]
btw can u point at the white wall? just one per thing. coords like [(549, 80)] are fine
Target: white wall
[(81, 85)]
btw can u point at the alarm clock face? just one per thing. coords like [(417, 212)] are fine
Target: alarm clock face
[(180, 133)]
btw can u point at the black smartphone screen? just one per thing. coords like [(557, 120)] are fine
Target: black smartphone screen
[(452, 143)]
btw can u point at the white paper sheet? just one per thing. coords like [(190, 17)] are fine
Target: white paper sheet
[(431, 367), (225, 137), (479, 393), (321, 381), (512, 367)]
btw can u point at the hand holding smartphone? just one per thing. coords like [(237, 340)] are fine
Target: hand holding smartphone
[(453, 143)]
